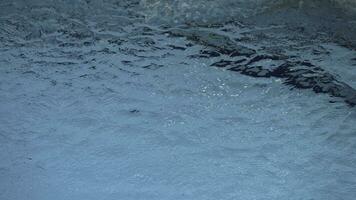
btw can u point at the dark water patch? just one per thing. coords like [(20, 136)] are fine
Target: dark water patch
[(225, 63), (143, 41), (116, 41), (106, 51), (153, 66), (266, 57), (257, 71), (134, 111), (210, 53), (222, 43), (206, 54), (177, 47)]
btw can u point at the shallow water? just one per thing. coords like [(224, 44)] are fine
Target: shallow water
[(107, 106)]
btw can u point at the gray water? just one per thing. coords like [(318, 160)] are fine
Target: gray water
[(100, 101)]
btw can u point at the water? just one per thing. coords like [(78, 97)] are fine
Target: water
[(212, 11), (112, 106)]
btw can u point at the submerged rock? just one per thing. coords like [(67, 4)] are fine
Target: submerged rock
[(299, 74), (305, 75)]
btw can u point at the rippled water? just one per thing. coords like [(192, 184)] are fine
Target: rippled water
[(217, 11), (96, 102)]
